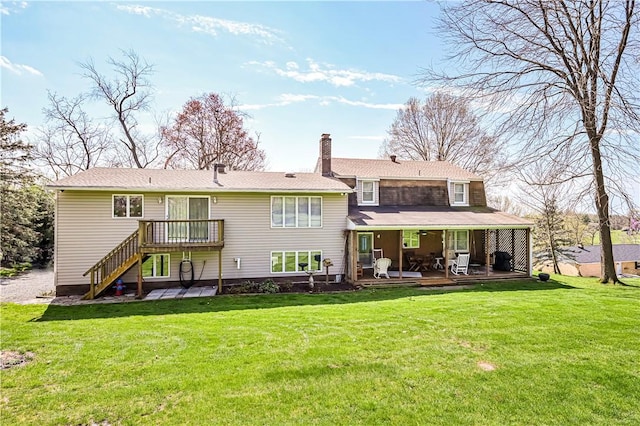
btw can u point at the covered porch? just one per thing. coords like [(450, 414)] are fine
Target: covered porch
[(423, 251)]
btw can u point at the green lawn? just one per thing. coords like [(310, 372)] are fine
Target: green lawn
[(617, 237), (564, 352)]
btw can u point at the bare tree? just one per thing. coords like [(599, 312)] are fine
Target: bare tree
[(128, 94), (71, 140), (207, 132), (567, 73), (444, 127)]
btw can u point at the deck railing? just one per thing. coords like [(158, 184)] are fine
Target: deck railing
[(164, 233)]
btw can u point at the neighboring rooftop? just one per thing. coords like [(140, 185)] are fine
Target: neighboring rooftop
[(387, 168), (591, 254), (103, 178)]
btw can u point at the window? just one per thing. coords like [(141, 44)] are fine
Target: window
[(459, 241), (459, 193), (127, 205), (410, 238), (296, 212), (156, 266), (289, 261), (368, 192)]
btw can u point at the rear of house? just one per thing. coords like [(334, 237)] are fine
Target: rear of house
[(227, 226), (160, 228)]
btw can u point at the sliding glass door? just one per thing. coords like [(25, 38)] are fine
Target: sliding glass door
[(183, 208)]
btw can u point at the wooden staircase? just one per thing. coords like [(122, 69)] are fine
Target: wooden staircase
[(113, 265)]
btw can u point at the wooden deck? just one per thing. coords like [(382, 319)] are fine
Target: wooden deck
[(437, 278)]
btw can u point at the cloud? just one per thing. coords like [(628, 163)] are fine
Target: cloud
[(289, 98), (207, 24), (7, 8), (18, 69), (328, 73)]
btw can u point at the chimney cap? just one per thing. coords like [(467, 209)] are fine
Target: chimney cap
[(393, 158), (326, 135)]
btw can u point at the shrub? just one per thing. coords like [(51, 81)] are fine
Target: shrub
[(268, 286), (245, 287)]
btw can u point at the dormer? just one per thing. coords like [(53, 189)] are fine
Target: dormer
[(458, 192), (368, 191)]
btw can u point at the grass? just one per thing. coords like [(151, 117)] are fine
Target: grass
[(617, 237), (564, 352)]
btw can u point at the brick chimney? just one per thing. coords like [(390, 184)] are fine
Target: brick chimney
[(325, 154)]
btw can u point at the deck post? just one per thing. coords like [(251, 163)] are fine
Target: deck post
[(92, 289), (446, 254), (354, 256), (219, 271), (400, 253), (139, 295), (487, 246)]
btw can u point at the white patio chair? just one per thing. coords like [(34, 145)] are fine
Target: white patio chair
[(381, 266), (461, 264)]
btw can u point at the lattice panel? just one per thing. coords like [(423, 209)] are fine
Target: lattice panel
[(512, 241)]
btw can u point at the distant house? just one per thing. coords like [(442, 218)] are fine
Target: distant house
[(158, 228), (584, 261)]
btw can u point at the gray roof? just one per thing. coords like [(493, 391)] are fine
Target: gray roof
[(102, 178), (406, 217), (591, 254), (400, 169)]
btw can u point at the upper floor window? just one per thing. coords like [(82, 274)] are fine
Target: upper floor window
[(459, 193), (368, 192), (296, 212), (127, 205)]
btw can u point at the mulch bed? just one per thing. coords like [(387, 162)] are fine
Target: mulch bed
[(303, 287)]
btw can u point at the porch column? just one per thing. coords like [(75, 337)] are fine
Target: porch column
[(446, 254), (487, 245), (529, 252), (353, 256), (139, 295), (219, 271), (400, 253)]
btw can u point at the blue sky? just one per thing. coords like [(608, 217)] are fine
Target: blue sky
[(299, 68)]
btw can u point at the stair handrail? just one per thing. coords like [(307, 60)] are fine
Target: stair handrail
[(131, 239)]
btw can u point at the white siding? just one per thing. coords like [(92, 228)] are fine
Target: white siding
[(86, 232)]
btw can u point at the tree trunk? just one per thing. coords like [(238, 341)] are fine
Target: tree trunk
[(608, 270)]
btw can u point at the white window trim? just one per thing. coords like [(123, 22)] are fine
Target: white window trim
[(376, 192), (452, 196), (166, 203), (113, 216), (454, 241), (153, 269), (297, 219), (417, 235), (297, 252)]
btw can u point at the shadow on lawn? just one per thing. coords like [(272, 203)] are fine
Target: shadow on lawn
[(242, 302)]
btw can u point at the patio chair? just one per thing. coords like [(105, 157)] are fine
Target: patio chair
[(461, 264), (381, 266)]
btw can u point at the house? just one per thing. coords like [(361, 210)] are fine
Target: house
[(160, 228), (421, 215), (584, 261)]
